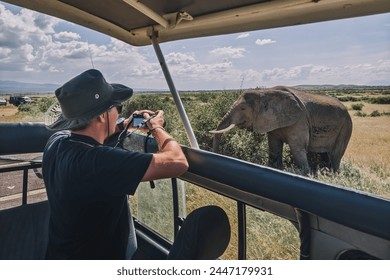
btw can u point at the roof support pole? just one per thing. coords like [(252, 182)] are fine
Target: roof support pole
[(175, 94), (136, 4)]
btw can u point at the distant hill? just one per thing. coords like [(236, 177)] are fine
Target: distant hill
[(12, 87), (329, 87), (18, 87)]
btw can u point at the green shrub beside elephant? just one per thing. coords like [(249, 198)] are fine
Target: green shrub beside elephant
[(307, 122)]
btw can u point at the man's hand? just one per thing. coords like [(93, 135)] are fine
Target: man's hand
[(157, 121), (145, 113), (170, 160)]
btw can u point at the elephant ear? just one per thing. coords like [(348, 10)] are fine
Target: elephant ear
[(276, 109)]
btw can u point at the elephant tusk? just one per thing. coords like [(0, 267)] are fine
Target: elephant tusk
[(223, 130)]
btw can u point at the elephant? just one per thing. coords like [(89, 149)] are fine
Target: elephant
[(307, 122)]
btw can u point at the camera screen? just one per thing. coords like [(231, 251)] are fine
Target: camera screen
[(137, 121)]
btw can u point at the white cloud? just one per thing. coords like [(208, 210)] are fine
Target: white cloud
[(325, 74), (65, 35), (262, 42), (35, 48), (229, 52), (28, 42), (176, 58), (243, 35)]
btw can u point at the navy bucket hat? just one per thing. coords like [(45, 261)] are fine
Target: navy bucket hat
[(83, 98)]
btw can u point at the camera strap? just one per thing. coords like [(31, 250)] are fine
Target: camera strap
[(152, 184), (124, 134)]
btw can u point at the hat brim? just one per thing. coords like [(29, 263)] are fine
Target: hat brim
[(120, 93)]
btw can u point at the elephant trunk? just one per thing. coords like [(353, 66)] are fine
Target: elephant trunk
[(216, 141), (224, 126)]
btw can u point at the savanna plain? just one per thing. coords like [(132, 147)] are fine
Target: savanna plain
[(364, 167)]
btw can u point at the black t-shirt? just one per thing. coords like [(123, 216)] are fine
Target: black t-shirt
[(87, 184)]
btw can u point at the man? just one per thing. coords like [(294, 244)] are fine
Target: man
[(87, 183)]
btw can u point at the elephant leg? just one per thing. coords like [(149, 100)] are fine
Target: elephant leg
[(275, 148), (335, 160), (315, 161), (300, 159), (325, 160), (318, 161), (340, 145)]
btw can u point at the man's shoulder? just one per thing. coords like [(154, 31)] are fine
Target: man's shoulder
[(58, 136), (61, 134)]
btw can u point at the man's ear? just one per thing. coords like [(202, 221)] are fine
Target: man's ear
[(101, 117)]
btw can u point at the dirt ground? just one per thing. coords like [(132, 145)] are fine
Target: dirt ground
[(11, 184), (7, 111)]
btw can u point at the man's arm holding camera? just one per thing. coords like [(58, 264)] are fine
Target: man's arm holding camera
[(170, 160)]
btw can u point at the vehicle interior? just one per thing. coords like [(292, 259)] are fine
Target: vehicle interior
[(354, 226)]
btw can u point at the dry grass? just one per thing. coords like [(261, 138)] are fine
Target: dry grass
[(369, 148), (368, 108), (370, 141), (197, 197), (7, 112), (268, 236), (10, 113)]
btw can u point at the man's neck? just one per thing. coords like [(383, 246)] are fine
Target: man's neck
[(92, 131)]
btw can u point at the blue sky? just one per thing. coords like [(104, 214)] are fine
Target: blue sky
[(42, 49)]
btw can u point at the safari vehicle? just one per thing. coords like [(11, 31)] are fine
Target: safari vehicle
[(17, 100), (330, 222)]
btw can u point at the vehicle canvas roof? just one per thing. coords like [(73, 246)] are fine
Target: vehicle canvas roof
[(133, 21)]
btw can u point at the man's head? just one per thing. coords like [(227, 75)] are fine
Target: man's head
[(85, 97)]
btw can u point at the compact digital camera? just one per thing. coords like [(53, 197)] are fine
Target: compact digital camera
[(139, 121)]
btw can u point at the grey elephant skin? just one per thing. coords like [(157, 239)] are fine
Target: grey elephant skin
[(307, 122)]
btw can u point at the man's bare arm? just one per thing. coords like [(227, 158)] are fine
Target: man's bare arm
[(170, 160)]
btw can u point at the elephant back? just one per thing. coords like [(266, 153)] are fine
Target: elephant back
[(320, 104)]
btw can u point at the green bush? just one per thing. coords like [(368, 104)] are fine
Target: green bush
[(153, 102), (36, 109), (357, 107), (379, 100), (205, 116), (348, 98), (44, 103), (27, 107), (245, 145), (375, 114), (360, 114)]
